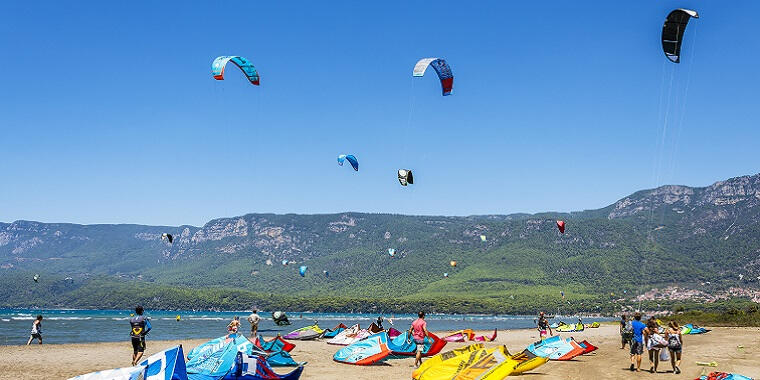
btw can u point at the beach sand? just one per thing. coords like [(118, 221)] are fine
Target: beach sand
[(52, 361)]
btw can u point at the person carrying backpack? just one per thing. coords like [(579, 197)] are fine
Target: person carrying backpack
[(626, 331), (675, 345)]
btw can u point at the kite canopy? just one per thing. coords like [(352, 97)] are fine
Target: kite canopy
[(305, 333), (672, 32), (216, 358), (444, 357), (36, 278), (302, 270), (483, 238), (257, 367), (460, 336), (167, 237), (391, 252), (453, 263), (349, 335), (404, 345), (441, 68), (276, 344), (497, 364), (217, 68), (351, 160), (365, 352), (561, 226), (280, 318), (405, 177)]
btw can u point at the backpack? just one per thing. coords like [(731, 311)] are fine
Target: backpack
[(628, 331), (674, 343)]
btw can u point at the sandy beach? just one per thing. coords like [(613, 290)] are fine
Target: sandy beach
[(609, 362)]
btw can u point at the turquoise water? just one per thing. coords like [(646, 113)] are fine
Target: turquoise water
[(80, 326)]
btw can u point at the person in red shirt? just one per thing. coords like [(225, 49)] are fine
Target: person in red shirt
[(418, 331)]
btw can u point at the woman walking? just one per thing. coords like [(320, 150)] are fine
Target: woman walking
[(675, 345)]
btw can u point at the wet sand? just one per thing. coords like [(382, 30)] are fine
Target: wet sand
[(51, 361)]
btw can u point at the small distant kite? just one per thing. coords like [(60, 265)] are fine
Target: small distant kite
[(302, 270), (284, 263), (217, 68), (453, 263), (326, 273), (405, 177), (167, 237), (441, 68), (561, 226), (36, 278), (269, 262), (446, 275), (391, 252), (673, 30), (351, 160), (483, 238)]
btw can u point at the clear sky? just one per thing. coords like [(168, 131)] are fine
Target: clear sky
[(109, 112)]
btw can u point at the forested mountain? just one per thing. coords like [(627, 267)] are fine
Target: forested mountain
[(704, 239)]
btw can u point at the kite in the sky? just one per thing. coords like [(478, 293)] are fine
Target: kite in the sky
[(351, 160), (217, 68), (441, 68), (405, 177), (672, 32)]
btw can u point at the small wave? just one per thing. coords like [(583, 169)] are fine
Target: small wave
[(6, 320), (22, 318), (69, 318)]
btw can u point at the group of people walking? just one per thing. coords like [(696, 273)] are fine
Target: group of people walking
[(661, 343)]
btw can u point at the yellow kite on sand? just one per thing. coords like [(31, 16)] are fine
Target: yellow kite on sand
[(477, 363)]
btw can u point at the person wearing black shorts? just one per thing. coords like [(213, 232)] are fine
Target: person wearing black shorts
[(140, 327)]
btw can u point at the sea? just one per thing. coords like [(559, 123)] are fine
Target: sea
[(87, 326)]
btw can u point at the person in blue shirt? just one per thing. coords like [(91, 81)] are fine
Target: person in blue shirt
[(637, 343), (140, 327)]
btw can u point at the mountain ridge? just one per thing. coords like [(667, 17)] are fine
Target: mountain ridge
[(666, 236)]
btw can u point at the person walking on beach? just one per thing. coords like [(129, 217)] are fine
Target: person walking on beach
[(36, 330), (654, 342), (543, 326), (254, 320), (626, 331), (418, 331), (637, 343), (675, 345), (140, 327)]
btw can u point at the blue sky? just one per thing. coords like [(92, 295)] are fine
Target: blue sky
[(110, 114)]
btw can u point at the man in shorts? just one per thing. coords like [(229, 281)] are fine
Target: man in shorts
[(418, 331), (254, 320), (637, 344), (543, 326), (140, 327)]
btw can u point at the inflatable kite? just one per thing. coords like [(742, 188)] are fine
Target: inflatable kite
[(217, 68), (441, 68), (351, 160), (672, 32), (405, 177)]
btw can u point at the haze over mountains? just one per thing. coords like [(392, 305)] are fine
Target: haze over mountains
[(699, 238)]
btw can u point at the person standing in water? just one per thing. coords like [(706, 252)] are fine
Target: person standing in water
[(140, 327), (36, 330), (418, 331), (254, 320), (543, 326)]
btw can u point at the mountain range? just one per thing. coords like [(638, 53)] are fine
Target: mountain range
[(677, 239)]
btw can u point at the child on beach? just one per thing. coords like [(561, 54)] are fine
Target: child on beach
[(36, 330), (543, 326)]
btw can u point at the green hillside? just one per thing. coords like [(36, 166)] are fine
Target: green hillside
[(695, 238)]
